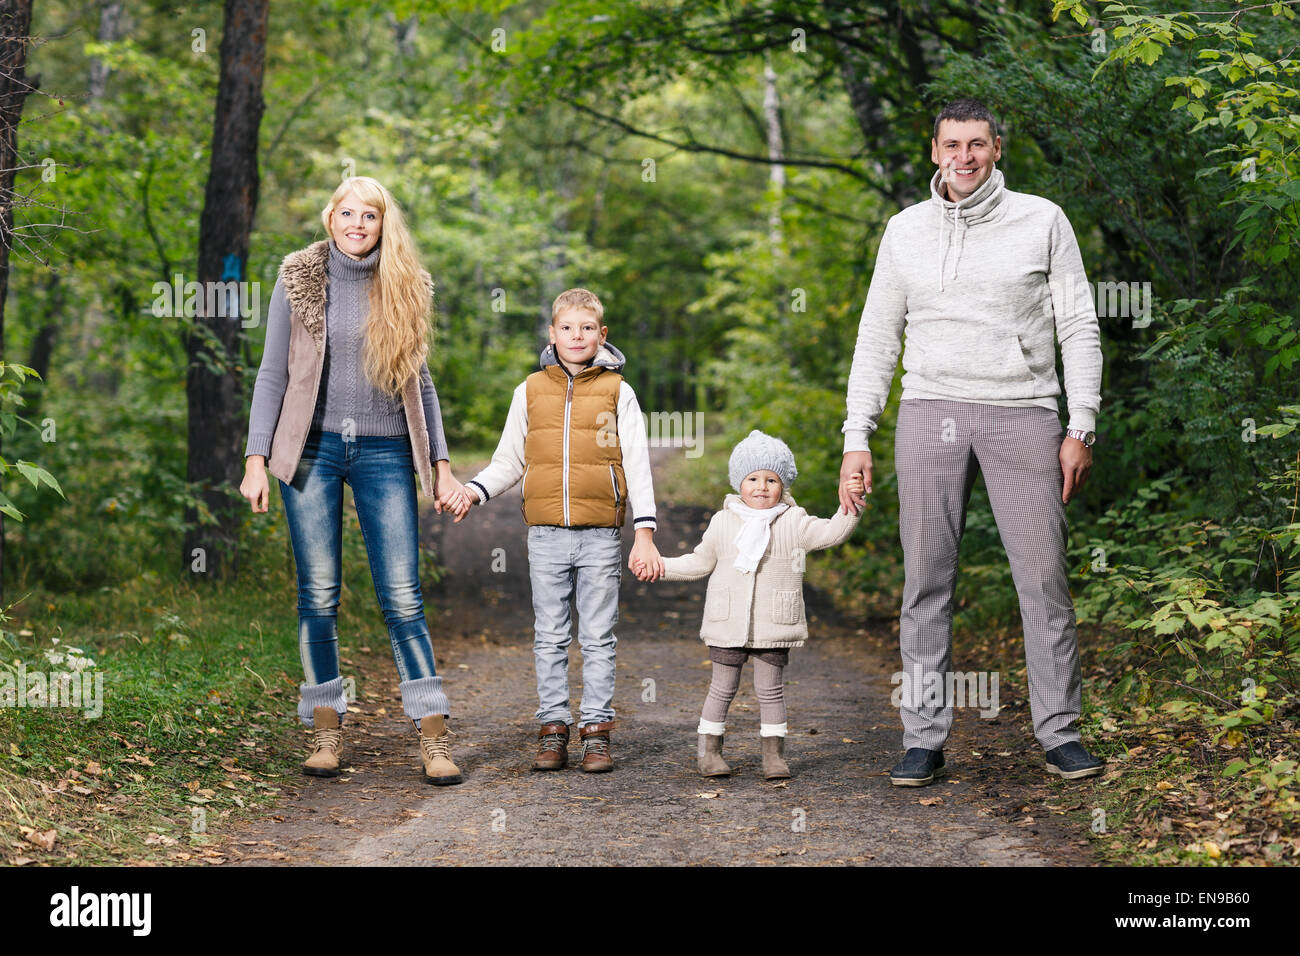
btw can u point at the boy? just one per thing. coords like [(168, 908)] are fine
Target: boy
[(574, 435)]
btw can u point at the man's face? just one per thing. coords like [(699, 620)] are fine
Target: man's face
[(965, 153)]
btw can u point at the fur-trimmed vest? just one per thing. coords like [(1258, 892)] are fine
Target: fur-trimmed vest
[(305, 276)]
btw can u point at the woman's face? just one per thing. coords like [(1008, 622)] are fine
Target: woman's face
[(355, 226)]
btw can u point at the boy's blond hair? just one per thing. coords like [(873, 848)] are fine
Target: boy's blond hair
[(578, 299)]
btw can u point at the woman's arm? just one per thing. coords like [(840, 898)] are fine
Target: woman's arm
[(272, 377)]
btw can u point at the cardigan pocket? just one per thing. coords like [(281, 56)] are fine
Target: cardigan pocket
[(717, 604), (787, 607)]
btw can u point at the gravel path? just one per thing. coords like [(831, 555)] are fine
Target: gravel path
[(997, 806)]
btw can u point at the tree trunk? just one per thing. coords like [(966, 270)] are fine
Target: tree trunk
[(15, 25), (775, 152), (214, 381)]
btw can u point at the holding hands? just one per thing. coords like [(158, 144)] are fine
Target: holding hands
[(449, 494), (855, 481), (645, 561)]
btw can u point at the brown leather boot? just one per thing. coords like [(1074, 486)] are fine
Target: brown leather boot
[(774, 766), (435, 748), (595, 747), (327, 743), (552, 747)]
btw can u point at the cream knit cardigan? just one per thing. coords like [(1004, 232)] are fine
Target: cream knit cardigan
[(764, 609)]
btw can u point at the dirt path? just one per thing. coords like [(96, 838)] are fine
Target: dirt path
[(998, 808)]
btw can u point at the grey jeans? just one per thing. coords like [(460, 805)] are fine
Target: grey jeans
[(582, 566), (939, 447)]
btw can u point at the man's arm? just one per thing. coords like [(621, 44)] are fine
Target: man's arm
[(1077, 328), (875, 355), (1079, 333)]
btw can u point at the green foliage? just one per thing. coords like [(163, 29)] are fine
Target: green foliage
[(12, 377)]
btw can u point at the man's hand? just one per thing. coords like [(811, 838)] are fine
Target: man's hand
[(644, 561), (1076, 463), (856, 463)]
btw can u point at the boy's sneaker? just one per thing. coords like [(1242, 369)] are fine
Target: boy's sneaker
[(595, 747), (552, 747), (917, 768), (1072, 761)]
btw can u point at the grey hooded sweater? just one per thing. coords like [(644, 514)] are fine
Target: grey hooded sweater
[(982, 289)]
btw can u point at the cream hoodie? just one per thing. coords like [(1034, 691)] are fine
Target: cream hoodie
[(982, 289)]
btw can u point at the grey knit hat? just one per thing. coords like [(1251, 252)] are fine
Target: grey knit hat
[(759, 452)]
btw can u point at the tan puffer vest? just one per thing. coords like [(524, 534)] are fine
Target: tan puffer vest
[(574, 477)]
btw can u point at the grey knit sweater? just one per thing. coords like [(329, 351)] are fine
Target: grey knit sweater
[(345, 394), (983, 289)]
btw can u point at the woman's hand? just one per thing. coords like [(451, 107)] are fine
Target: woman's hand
[(255, 486), (450, 494)]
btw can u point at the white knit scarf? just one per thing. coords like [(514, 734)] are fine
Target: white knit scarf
[(755, 533)]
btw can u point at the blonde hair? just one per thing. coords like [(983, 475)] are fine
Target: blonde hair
[(577, 299), (401, 292)]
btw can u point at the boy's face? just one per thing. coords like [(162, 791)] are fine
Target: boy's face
[(965, 152), (761, 489), (355, 226), (576, 335)]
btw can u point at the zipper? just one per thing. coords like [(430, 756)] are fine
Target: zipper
[(613, 480), (568, 408)]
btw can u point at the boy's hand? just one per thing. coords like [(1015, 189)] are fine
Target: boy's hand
[(644, 561), (461, 504)]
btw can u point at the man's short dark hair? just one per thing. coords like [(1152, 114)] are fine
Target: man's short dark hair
[(966, 109)]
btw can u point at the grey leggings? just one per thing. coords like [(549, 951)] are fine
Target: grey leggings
[(769, 683)]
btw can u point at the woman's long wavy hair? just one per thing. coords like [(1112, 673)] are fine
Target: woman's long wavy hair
[(397, 328)]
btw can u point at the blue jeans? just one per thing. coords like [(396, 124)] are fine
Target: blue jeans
[(583, 565), (379, 469)]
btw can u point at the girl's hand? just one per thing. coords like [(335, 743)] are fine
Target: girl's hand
[(255, 486)]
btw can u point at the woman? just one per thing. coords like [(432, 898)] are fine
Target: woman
[(344, 395)]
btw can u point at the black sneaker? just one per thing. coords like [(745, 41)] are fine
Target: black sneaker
[(917, 768), (1072, 761)]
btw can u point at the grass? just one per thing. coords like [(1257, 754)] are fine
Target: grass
[(199, 721)]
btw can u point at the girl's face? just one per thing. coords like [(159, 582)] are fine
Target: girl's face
[(761, 489), (355, 226)]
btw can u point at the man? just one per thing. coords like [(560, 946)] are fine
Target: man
[(979, 279)]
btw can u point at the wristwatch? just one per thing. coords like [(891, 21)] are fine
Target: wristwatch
[(1086, 437)]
